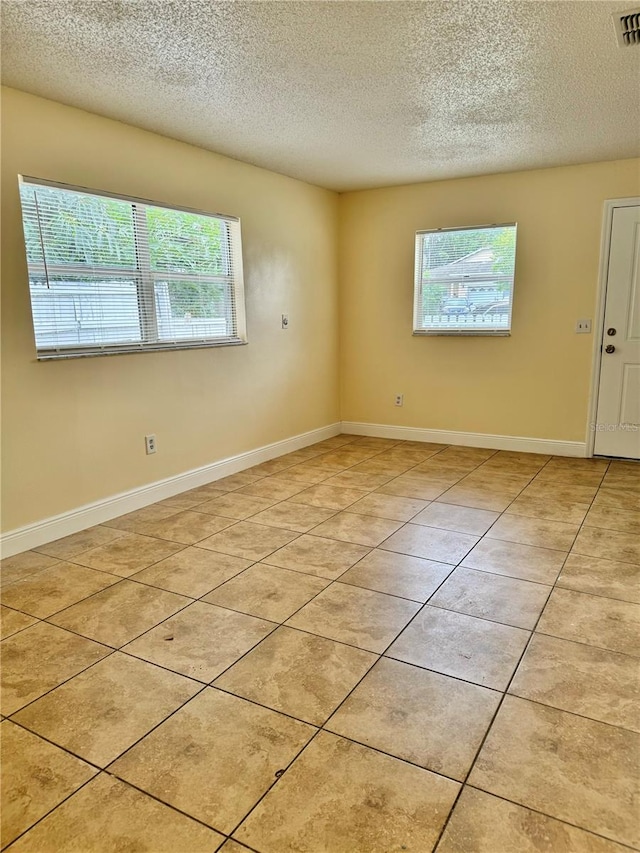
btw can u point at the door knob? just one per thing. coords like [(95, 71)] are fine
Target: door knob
[(610, 348)]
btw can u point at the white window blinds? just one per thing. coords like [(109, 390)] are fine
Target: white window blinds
[(464, 280), (113, 274)]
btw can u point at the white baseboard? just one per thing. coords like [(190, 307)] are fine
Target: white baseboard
[(469, 439), (41, 532)]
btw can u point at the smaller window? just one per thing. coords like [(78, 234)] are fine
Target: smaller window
[(464, 280), (113, 274)]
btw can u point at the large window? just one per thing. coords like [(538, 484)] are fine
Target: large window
[(464, 281), (110, 274)]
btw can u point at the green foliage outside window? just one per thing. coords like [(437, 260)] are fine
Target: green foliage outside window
[(99, 231)]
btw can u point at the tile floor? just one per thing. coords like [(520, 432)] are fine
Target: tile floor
[(365, 646)]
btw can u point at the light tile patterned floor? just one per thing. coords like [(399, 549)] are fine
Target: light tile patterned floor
[(365, 646)]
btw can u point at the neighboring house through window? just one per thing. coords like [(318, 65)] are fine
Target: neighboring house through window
[(464, 280)]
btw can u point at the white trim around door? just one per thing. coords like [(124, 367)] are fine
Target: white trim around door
[(605, 244)]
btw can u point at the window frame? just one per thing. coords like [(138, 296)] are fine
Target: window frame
[(418, 329), (145, 279)]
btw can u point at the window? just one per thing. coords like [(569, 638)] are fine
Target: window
[(111, 274), (464, 281)]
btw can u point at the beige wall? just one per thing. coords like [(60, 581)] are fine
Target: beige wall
[(535, 383), (73, 431)]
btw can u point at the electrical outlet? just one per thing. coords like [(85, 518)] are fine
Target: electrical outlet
[(583, 327), (399, 400), (150, 444), (285, 321)]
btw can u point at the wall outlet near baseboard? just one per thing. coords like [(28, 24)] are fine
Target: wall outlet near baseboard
[(398, 400), (583, 327), (150, 444)]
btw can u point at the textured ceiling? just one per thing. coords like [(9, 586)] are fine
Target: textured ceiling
[(344, 94)]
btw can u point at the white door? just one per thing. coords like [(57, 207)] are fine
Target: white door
[(617, 430)]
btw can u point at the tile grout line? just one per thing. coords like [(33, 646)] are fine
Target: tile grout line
[(322, 728), (204, 684), (549, 817), (380, 656), (497, 690), (331, 581), (104, 771), (280, 624), (263, 558), (125, 532), (66, 681), (120, 648), (263, 561), (210, 684), (53, 808), (505, 693), (236, 521)]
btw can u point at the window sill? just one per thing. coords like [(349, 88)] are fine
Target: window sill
[(473, 333), (58, 355)]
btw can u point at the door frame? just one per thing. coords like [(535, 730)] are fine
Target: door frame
[(601, 296)]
